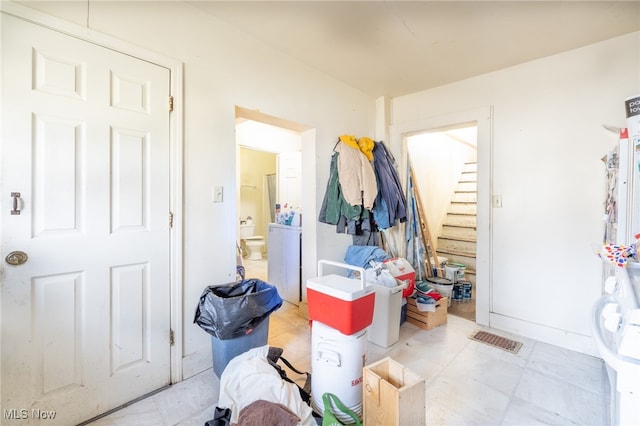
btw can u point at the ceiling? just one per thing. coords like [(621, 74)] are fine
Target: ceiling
[(392, 48)]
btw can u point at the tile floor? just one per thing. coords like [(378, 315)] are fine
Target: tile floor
[(467, 382)]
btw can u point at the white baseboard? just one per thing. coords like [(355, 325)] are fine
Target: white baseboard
[(562, 338)]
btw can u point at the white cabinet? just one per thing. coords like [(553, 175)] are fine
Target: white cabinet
[(283, 258)]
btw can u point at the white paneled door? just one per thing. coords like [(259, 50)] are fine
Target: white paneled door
[(85, 196), (290, 179)]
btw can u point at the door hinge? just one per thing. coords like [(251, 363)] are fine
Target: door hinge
[(170, 103), (170, 219), (171, 341)]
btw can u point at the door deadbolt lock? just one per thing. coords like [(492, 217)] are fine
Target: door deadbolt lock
[(16, 258)]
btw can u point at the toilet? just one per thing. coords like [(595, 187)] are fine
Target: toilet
[(252, 243)]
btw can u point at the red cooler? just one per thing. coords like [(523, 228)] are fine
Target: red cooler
[(345, 304), (402, 271)]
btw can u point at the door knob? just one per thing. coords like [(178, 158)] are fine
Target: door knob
[(16, 258)]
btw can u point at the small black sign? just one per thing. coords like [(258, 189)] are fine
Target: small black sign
[(632, 106)]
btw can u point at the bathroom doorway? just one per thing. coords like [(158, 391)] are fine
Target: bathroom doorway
[(268, 173)]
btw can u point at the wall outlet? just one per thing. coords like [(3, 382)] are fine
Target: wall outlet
[(218, 194)]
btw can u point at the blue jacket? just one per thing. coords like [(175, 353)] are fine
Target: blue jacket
[(390, 205)]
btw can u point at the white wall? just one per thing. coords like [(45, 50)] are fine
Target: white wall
[(265, 137), (222, 69), (547, 143), (438, 161)]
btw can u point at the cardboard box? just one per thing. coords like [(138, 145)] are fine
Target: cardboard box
[(427, 320), (393, 395)]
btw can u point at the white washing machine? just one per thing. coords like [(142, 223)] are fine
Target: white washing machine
[(616, 330)]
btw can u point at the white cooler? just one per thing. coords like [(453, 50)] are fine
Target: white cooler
[(337, 362)]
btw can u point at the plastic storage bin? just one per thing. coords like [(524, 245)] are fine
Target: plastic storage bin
[(223, 351), (385, 328), (343, 303)]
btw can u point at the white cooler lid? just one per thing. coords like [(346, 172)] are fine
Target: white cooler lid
[(340, 287)]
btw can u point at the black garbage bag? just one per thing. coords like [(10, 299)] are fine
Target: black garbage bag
[(234, 310)]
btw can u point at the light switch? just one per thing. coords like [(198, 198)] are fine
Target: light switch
[(497, 201), (218, 194)]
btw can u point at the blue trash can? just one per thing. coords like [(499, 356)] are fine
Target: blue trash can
[(224, 351), (237, 317)]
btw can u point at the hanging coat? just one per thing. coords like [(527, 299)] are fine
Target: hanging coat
[(334, 205), (356, 175), (391, 204)]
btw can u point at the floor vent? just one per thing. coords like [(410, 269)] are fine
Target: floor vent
[(497, 341)]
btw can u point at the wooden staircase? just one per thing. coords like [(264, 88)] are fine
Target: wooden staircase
[(457, 241)]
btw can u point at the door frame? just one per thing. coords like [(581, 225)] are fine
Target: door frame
[(175, 145), (483, 118), (309, 227)]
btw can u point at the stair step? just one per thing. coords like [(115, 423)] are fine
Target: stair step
[(470, 167), (465, 197), (465, 254), (457, 245), (460, 220), (467, 187), (462, 208), (466, 239), (459, 231)]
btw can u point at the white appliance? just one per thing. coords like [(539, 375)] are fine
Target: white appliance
[(616, 329), (616, 314), (283, 260)]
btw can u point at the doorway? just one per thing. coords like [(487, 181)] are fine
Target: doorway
[(269, 175), (482, 119), (445, 167)]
